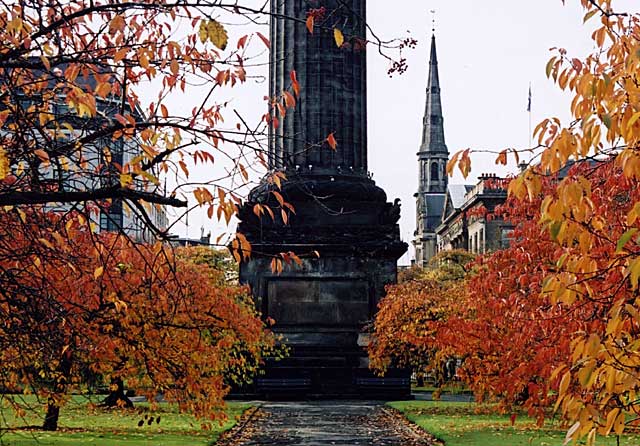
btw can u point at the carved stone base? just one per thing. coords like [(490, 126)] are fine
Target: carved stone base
[(323, 307)]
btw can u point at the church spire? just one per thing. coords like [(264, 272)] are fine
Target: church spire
[(433, 123)]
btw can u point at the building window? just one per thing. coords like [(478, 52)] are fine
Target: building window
[(434, 172), (481, 246), (424, 173), (111, 218), (506, 235)]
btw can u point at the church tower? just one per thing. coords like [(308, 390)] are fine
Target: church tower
[(432, 161)]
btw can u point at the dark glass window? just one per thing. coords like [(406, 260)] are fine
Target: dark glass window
[(435, 175), (111, 218)]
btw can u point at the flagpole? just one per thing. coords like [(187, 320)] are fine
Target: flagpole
[(529, 110)]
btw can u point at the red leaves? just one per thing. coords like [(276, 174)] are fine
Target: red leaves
[(294, 83), (242, 41), (264, 40), (289, 100), (129, 310), (331, 140), (314, 15)]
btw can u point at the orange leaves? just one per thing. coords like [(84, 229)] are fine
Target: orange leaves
[(240, 248), (463, 162), (331, 140), (103, 89), (284, 258), (242, 41), (310, 22), (117, 23), (276, 178), (174, 66), (124, 309), (314, 15), (202, 195), (294, 83), (407, 329), (83, 103), (276, 265), (289, 100)]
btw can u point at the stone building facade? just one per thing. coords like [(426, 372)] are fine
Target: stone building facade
[(94, 170), (472, 224)]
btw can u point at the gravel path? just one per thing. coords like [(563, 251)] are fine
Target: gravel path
[(322, 423)]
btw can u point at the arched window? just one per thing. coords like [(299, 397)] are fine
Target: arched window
[(435, 175)]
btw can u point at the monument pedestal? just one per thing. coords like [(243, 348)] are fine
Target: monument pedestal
[(347, 237), (343, 229)]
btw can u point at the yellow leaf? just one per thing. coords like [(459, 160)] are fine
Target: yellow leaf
[(217, 34), (125, 179), (5, 169), (98, 272), (633, 120), (564, 383), (633, 214), (618, 426), (202, 32), (338, 36)]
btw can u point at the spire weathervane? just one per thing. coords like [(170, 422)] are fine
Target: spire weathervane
[(433, 20)]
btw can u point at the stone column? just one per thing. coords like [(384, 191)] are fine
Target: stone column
[(343, 229), (333, 95)]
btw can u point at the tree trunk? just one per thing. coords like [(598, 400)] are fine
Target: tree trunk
[(53, 406), (117, 397), (51, 419)]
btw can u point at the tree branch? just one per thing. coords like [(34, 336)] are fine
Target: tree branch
[(28, 197)]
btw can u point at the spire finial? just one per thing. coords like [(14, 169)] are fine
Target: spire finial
[(433, 20)]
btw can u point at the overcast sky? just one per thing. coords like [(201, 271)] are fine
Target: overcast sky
[(488, 51)]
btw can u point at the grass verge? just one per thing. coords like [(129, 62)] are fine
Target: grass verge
[(83, 424), (465, 424)]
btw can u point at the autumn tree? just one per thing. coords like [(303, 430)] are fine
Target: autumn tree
[(509, 335), (77, 142), (410, 315), (123, 311), (593, 220)]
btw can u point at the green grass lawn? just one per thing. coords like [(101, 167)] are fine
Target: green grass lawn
[(80, 424), (453, 389), (460, 424)]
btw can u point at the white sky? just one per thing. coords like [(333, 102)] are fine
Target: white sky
[(488, 52)]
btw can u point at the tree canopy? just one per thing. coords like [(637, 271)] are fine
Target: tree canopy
[(573, 285)]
